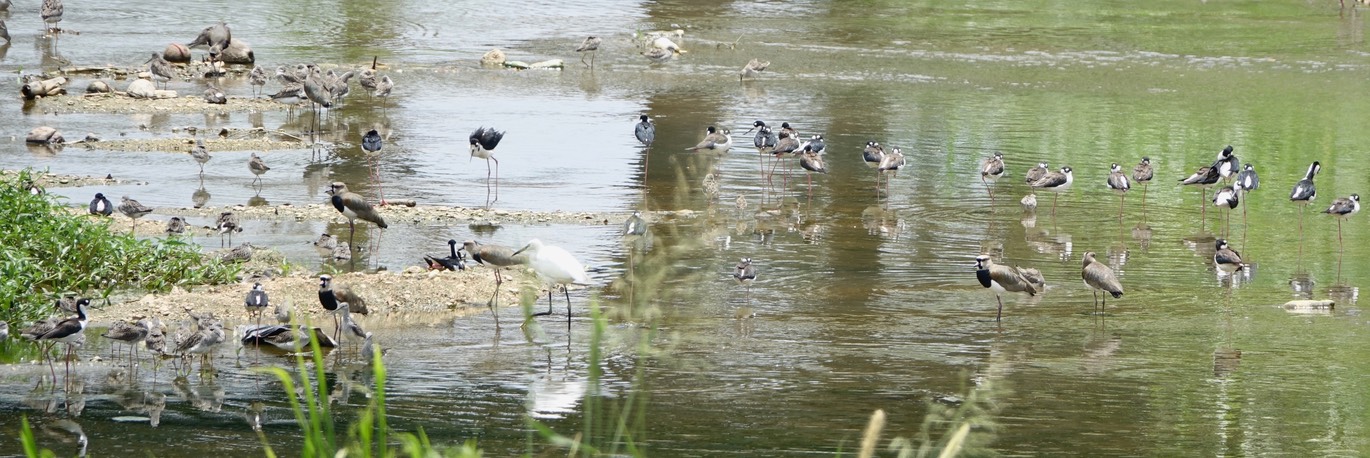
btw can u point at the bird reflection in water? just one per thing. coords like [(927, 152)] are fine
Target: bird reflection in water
[(1302, 283)]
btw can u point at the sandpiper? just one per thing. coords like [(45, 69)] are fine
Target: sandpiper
[(753, 69), (590, 45), (134, 210)]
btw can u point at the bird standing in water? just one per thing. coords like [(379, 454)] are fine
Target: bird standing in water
[(590, 45), (354, 207), (483, 143)]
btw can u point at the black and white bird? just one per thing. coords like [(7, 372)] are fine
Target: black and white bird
[(590, 45), (256, 302), (354, 207), (1303, 193), (1247, 181), (634, 226), (483, 143), (454, 261), (372, 144), (992, 168), (330, 303), (1100, 278), (1225, 258), (812, 161), (714, 140), (644, 130), (68, 331), (1007, 279), (1203, 178), (744, 273), (786, 144), (1343, 208), (227, 224), (765, 138), (101, 205), (890, 165), (1056, 182), (1142, 173), (1118, 182), (1227, 164), (134, 210), (1226, 198)]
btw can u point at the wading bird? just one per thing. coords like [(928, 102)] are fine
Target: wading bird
[(495, 255), (1343, 208), (134, 210), (1056, 182), (1099, 277), (483, 143), (1117, 181), (1302, 194), (354, 207), (591, 46), (557, 266), (1142, 173), (1007, 279)]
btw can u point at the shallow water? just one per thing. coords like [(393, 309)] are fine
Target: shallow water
[(864, 301)]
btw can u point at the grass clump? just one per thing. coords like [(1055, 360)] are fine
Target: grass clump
[(45, 249)]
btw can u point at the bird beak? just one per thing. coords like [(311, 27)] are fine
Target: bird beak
[(516, 253), (750, 130)]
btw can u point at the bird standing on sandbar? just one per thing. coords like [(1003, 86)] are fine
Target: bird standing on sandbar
[(497, 256), (1007, 279), (1099, 277), (161, 70), (134, 210), (483, 143), (100, 205), (354, 206), (227, 223)]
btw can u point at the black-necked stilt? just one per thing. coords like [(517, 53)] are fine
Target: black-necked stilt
[(497, 256), (454, 261), (753, 69), (256, 302), (354, 207), (590, 45), (67, 331), (890, 165), (330, 302), (786, 144), (1118, 182), (644, 130), (372, 144), (1247, 181), (1226, 163), (557, 266), (872, 154), (161, 70), (1302, 194), (812, 161), (991, 169), (1203, 178), (765, 139), (1142, 173), (744, 273), (1343, 208), (227, 224), (176, 225), (1226, 198), (257, 166), (1100, 277), (130, 333), (1056, 182), (1036, 173), (100, 205), (483, 143), (200, 155), (134, 210), (714, 140), (1225, 258), (1007, 279), (4, 32)]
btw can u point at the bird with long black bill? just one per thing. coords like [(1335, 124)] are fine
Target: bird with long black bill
[(1099, 277), (497, 256), (454, 261), (483, 143), (786, 144), (1007, 279), (354, 207), (1302, 194), (1056, 182)]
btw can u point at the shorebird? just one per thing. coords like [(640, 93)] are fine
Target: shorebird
[(1036, 173), (354, 207), (256, 302), (714, 140), (338, 88), (1007, 279), (787, 143), (753, 69), (52, 14), (214, 95), (1227, 163), (202, 342), (1203, 178), (67, 331), (1118, 182), (134, 210), (483, 143), (227, 223), (316, 90), (1056, 182), (217, 35), (659, 55), (644, 130), (383, 88), (590, 45), (1302, 194), (4, 32), (890, 165), (1227, 198), (494, 255), (1029, 203), (1225, 258), (1142, 173), (330, 302), (176, 225), (455, 261), (351, 330), (130, 333), (634, 225), (872, 155), (372, 144), (1100, 277), (991, 169), (367, 80), (283, 312), (812, 162), (100, 205), (200, 154), (161, 70), (257, 166), (257, 79), (1247, 181), (765, 139), (557, 266), (156, 337), (744, 273), (1343, 208)]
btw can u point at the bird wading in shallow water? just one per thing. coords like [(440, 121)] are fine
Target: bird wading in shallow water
[(1142, 173), (354, 207), (557, 266), (591, 46), (1100, 278), (483, 143), (1007, 279), (1303, 193)]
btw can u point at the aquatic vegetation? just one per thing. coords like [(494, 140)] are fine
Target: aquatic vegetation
[(45, 249)]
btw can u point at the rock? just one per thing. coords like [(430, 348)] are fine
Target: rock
[(553, 64), (141, 89), (1310, 306), (516, 64), (98, 87), (238, 52), (44, 135), (43, 88), (176, 53), (413, 270), (493, 58)]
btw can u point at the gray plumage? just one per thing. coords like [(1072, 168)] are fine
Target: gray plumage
[(1226, 197), (714, 140), (200, 155), (658, 55), (283, 313), (354, 207), (1304, 190), (127, 332), (257, 300), (355, 302), (101, 205), (4, 32), (371, 141), (1203, 177), (383, 86), (1226, 164), (635, 225), (240, 253), (227, 224), (993, 167), (873, 154), (1056, 180), (4, 331), (161, 69), (176, 225), (744, 272), (215, 35), (753, 69), (213, 95), (1006, 279), (1142, 172), (134, 210), (326, 241), (1100, 277), (1344, 207), (315, 89), (51, 13), (785, 144), (1036, 173), (645, 131), (156, 337), (257, 79), (367, 80), (591, 46), (257, 166)]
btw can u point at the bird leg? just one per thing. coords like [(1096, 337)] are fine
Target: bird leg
[(999, 314), (1096, 299)]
